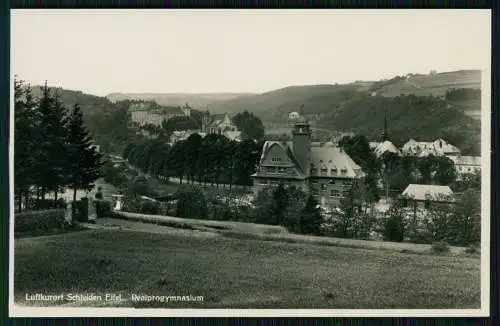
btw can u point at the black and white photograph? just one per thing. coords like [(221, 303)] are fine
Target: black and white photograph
[(250, 163)]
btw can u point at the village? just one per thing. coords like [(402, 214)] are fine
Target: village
[(229, 171)]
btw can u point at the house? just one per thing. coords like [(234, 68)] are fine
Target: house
[(466, 164), (380, 148), (438, 147), (323, 168), (217, 124), (422, 196)]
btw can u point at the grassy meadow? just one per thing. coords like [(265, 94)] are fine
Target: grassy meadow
[(240, 273)]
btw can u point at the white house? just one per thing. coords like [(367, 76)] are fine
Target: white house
[(466, 164), (438, 147), (422, 195), (380, 148)]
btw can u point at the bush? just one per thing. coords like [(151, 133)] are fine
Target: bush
[(440, 247), (192, 202), (44, 204), (103, 208), (394, 226), (149, 207), (38, 222)]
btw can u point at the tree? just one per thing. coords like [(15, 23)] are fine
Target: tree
[(294, 210), (264, 207), (192, 153), (465, 222), (445, 171), (53, 169), (394, 226), (192, 203), (311, 218), (250, 125), (84, 161), (280, 202), (26, 154)]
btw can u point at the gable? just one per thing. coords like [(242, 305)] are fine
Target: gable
[(276, 155)]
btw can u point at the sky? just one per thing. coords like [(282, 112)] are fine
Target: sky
[(206, 51)]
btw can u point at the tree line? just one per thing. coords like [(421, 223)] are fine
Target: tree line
[(52, 147), (213, 159)]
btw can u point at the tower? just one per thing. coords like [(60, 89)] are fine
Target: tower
[(301, 144)]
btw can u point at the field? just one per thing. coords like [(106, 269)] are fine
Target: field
[(240, 273)]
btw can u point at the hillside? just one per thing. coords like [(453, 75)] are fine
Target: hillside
[(197, 101), (90, 104), (432, 84)]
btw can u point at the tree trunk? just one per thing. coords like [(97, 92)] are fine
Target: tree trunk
[(74, 194), (55, 195)]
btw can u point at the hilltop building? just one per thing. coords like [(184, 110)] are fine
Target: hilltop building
[(143, 113), (323, 168), (438, 147)]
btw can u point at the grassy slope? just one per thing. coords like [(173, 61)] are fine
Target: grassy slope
[(242, 273)]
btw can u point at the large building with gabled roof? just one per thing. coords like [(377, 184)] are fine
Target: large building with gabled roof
[(321, 167)]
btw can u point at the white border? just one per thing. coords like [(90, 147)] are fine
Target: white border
[(484, 311)]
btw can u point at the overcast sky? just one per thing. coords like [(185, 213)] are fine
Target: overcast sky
[(203, 51)]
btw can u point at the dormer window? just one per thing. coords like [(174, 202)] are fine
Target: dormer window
[(324, 171), (333, 170), (344, 170), (314, 171)]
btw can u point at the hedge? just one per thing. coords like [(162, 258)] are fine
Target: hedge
[(39, 221)]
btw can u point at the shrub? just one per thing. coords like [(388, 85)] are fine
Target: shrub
[(394, 226), (191, 203), (38, 222), (440, 247), (44, 204), (149, 207), (81, 210), (103, 208)]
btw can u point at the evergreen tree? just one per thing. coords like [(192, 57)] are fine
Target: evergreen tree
[(84, 161), (25, 136), (280, 200), (311, 218), (52, 130)]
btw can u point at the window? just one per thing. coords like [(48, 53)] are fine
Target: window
[(281, 170), (332, 182), (313, 181), (263, 182), (333, 171), (344, 170), (345, 192), (276, 159), (323, 171), (334, 193), (323, 187), (314, 171), (427, 204)]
